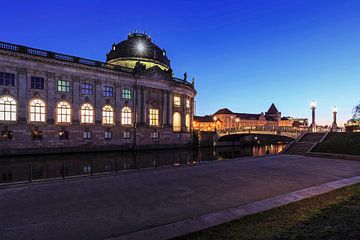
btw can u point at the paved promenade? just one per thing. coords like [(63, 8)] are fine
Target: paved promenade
[(112, 206)]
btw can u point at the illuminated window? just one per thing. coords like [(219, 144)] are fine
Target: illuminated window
[(108, 115), (155, 135), (126, 94), (177, 101), (7, 109), (7, 79), (86, 88), (154, 117), (126, 116), (63, 86), (127, 135), (108, 91), (63, 112), (37, 83), (187, 122), (108, 135), (37, 110), (87, 113), (187, 103), (87, 135), (177, 122)]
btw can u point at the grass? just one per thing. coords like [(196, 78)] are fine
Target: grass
[(340, 143), (333, 215)]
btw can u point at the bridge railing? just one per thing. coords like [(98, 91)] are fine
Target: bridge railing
[(275, 129)]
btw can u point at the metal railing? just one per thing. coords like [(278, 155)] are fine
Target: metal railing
[(73, 59)]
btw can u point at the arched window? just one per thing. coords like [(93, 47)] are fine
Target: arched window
[(126, 116), (7, 109), (177, 122), (37, 110), (63, 112), (87, 113), (107, 115), (187, 122)]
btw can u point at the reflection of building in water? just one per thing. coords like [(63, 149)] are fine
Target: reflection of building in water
[(23, 168), (50, 100), (226, 119)]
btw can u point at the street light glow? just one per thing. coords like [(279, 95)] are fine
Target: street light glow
[(334, 109), (313, 104)]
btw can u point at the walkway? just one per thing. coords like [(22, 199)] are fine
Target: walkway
[(111, 206)]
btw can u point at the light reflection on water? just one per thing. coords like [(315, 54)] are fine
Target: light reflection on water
[(26, 168)]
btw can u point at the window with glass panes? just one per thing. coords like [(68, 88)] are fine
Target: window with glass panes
[(127, 135), (154, 117), (7, 79), (7, 109), (37, 83), (108, 91), (63, 86), (155, 135), (177, 101), (126, 93), (86, 88), (87, 135), (107, 135)]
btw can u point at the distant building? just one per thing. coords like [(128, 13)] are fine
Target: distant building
[(353, 125), (226, 119)]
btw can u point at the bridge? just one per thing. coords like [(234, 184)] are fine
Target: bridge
[(291, 132)]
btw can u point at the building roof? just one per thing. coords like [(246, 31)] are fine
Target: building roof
[(128, 49), (248, 116), (223, 111), (272, 109), (206, 118)]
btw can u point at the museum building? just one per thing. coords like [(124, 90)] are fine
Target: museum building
[(51, 102)]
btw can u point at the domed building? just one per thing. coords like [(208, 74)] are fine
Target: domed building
[(53, 102), (138, 48)]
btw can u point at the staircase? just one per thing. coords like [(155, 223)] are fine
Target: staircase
[(304, 143)]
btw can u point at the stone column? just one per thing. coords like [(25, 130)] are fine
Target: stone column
[(76, 104), (170, 108), (183, 113), (22, 97), (50, 98), (98, 95), (164, 109), (334, 124), (117, 104), (144, 107)]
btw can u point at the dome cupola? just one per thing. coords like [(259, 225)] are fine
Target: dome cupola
[(138, 48)]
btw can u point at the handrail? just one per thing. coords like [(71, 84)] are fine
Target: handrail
[(68, 58)]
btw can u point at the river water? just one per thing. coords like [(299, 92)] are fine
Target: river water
[(40, 167)]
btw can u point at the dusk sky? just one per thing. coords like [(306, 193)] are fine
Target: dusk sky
[(244, 55)]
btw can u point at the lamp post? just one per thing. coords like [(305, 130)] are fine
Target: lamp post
[(215, 118), (334, 124), (237, 120), (313, 124)]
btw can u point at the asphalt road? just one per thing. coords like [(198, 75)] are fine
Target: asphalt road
[(109, 206)]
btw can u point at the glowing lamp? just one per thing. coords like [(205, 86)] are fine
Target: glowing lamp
[(313, 104), (237, 120), (215, 118), (334, 109)]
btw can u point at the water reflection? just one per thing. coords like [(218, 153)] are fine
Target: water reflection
[(30, 168)]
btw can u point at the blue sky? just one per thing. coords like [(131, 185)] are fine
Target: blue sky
[(244, 55)]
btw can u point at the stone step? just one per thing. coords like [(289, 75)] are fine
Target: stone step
[(311, 137), (299, 148)]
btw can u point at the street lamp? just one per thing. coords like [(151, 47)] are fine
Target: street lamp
[(215, 119), (313, 124), (334, 124)]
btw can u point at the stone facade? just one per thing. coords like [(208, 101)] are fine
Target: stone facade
[(151, 88)]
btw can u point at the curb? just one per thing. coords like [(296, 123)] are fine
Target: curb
[(202, 222)]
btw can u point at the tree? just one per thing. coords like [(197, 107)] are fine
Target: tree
[(357, 111)]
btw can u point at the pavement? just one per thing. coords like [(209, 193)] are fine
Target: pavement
[(131, 205)]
